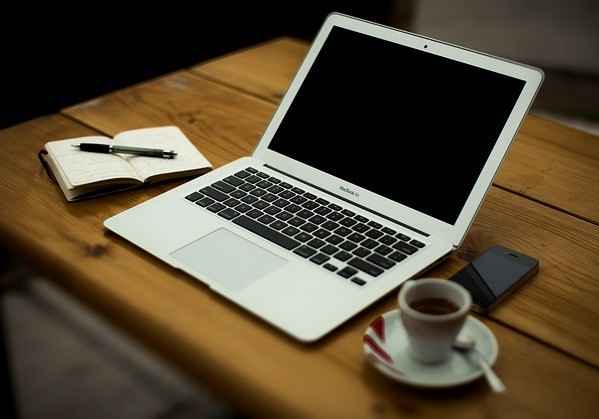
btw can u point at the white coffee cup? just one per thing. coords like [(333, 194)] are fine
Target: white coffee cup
[(431, 335)]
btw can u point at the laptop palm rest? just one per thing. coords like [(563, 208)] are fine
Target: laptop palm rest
[(228, 259)]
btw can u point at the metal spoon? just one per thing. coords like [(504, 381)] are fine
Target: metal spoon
[(469, 347)]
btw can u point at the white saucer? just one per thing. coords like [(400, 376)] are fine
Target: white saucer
[(386, 348)]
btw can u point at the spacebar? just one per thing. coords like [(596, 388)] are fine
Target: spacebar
[(268, 233)]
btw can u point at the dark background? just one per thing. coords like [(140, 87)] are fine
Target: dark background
[(56, 58)]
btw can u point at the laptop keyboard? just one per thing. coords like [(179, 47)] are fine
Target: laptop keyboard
[(341, 241)]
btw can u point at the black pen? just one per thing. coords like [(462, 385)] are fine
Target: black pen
[(138, 151)]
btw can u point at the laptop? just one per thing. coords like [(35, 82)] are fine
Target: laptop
[(371, 170)]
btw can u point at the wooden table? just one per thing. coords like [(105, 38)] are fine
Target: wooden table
[(545, 202)]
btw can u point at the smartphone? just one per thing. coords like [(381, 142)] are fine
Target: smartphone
[(494, 275)]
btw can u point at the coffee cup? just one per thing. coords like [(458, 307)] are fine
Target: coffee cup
[(433, 312)]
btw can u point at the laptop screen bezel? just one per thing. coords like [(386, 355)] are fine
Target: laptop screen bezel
[(532, 77)]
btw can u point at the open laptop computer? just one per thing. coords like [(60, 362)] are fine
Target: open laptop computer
[(371, 170)]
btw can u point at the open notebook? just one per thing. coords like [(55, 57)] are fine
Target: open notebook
[(83, 174)]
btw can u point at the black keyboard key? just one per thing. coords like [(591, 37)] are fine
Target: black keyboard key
[(347, 272), (389, 231), (369, 244), (265, 184), (243, 208), (360, 228), (374, 224), (397, 256), (249, 199), (358, 281), (303, 237), (251, 170), (322, 210), (242, 174), (305, 214), (277, 225), (364, 266), (347, 222), (298, 190), (388, 240), (348, 213), (304, 251), (317, 219), (247, 187), (309, 227), (258, 192), (284, 216), (383, 250), (330, 225), (253, 179), (403, 237), (228, 213), (319, 259), (281, 203), (275, 189), (222, 186), (265, 232), (329, 249), (335, 216), (254, 213), (310, 205), (238, 194), (381, 261), (406, 248), (232, 202), (309, 195), (194, 196), (205, 201), (374, 234), (355, 237), (342, 256), (316, 243), (361, 252), (272, 210), (322, 201), (260, 205), (322, 233), (214, 194), (334, 239), (262, 175), (286, 185), (269, 197), (274, 180), (216, 207), (417, 243), (298, 200), (361, 218), (232, 180), (335, 207), (296, 221), (290, 231), (291, 208), (347, 245), (343, 231), (329, 267), (287, 194)]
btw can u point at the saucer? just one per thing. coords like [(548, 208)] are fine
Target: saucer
[(385, 344)]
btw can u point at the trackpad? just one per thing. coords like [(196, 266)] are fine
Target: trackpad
[(228, 259)]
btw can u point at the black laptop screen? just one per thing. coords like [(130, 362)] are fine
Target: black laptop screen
[(406, 124)]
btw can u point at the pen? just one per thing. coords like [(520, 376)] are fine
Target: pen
[(139, 151)]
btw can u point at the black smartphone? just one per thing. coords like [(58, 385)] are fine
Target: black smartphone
[(494, 275)]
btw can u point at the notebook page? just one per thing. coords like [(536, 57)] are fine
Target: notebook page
[(166, 138), (81, 168)]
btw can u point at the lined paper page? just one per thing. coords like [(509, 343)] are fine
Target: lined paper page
[(80, 167), (166, 138)]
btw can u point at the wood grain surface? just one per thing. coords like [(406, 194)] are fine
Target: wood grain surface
[(557, 307), (548, 162), (260, 370)]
